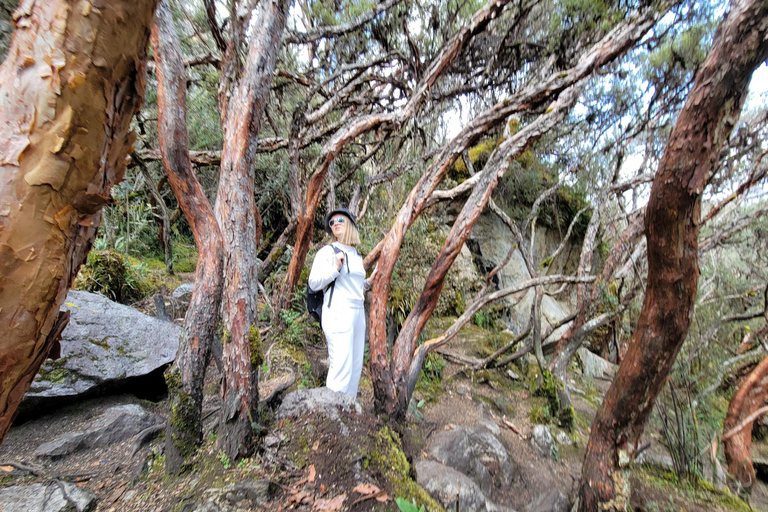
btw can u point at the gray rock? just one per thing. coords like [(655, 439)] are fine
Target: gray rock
[(183, 291), (104, 345), (231, 497), (563, 439), (446, 484), (323, 401), (656, 457), (53, 496), (542, 439), (553, 501), (594, 366), (490, 425), (475, 452), (115, 425)]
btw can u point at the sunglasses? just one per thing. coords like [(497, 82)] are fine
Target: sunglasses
[(337, 220)]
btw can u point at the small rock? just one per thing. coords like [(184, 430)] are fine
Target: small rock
[(553, 501), (542, 439), (115, 425), (54, 496), (490, 425), (513, 375), (446, 484), (183, 291), (319, 401), (563, 439)]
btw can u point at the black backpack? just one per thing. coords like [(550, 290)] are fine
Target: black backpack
[(315, 299)]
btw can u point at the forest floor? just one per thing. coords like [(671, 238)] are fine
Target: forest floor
[(127, 481)]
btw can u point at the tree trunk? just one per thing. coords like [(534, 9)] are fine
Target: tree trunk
[(240, 225), (672, 230), (748, 398), (72, 81), (185, 378)]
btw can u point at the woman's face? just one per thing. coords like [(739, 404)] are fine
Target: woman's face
[(338, 225)]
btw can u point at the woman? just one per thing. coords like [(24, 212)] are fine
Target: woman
[(343, 319)]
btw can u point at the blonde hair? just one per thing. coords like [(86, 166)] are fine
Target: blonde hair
[(351, 236)]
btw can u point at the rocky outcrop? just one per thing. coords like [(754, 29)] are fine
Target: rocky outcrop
[(115, 425), (53, 496), (594, 366), (468, 466), (490, 241), (105, 347)]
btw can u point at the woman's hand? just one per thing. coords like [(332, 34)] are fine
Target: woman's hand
[(339, 261)]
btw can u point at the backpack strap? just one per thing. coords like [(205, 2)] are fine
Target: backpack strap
[(336, 250)]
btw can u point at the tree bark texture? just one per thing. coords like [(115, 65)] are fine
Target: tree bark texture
[(748, 398), (240, 225), (672, 228), (73, 79), (185, 378)]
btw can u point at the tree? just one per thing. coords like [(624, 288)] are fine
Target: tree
[(394, 382), (185, 378), (672, 229), (239, 219), (66, 128)]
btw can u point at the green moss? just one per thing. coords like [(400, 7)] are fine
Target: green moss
[(685, 490), (388, 458), (103, 343), (540, 415), (54, 371), (254, 338)]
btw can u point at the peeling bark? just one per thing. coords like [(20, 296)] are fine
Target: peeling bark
[(185, 378), (672, 230), (240, 225), (737, 434), (72, 81)]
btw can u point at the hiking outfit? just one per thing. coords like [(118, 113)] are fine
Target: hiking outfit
[(343, 318)]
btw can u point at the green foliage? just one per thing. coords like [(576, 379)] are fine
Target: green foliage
[(550, 388), (540, 415), (224, 458), (517, 191), (107, 273), (408, 506), (430, 380)]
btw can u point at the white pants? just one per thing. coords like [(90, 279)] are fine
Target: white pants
[(344, 330)]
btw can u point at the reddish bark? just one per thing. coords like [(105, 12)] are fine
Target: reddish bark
[(672, 229), (185, 378), (748, 398), (73, 79), (240, 225)]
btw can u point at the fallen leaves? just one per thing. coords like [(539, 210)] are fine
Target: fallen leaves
[(7, 469), (330, 505), (370, 491)]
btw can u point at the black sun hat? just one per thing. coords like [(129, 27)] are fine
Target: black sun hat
[(342, 211)]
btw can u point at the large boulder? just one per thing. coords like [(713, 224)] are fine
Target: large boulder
[(594, 366), (52, 496), (453, 489), (106, 347), (477, 453), (115, 425)]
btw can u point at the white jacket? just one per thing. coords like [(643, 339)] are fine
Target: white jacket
[(348, 290)]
